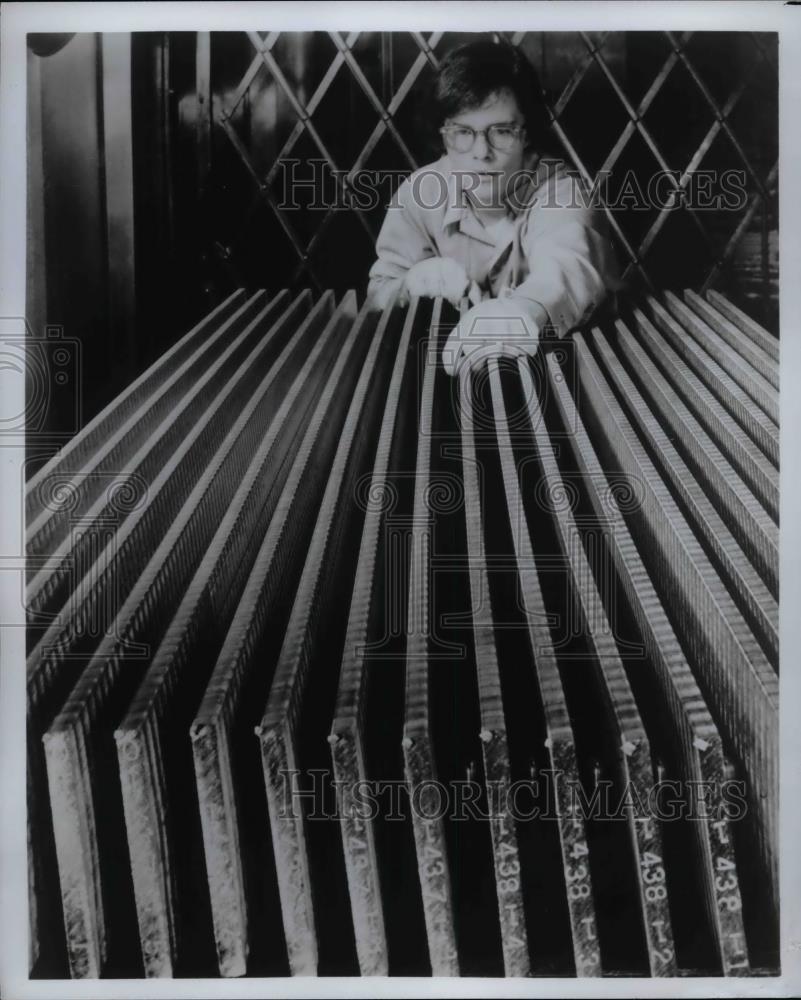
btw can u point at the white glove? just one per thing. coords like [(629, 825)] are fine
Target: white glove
[(441, 276), (494, 328)]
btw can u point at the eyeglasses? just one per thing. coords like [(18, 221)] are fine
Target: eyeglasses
[(502, 138)]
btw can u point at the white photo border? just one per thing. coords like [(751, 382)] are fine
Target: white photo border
[(20, 18)]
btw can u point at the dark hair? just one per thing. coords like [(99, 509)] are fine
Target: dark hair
[(470, 74)]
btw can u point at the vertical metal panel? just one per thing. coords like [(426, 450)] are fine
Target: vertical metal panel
[(164, 138), (36, 315), (74, 204), (347, 734), (119, 197), (433, 864), (204, 112), (36, 275)]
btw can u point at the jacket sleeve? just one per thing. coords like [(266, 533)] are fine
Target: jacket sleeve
[(402, 242), (571, 261)]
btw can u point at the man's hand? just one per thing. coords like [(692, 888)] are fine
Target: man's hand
[(494, 328), (441, 276)]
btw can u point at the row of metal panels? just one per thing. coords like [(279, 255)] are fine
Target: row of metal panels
[(340, 665)]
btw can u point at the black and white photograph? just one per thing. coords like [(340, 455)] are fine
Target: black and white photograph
[(391, 499)]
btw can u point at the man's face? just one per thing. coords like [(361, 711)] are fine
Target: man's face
[(486, 169)]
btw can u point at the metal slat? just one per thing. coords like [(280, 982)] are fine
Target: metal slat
[(727, 656), (419, 763), (756, 601), (347, 732), (277, 731), (634, 757), (754, 421), (758, 387), (560, 741), (493, 735), (698, 744), (138, 625), (200, 623), (757, 471), (760, 336)]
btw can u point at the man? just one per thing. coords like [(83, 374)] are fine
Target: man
[(495, 219)]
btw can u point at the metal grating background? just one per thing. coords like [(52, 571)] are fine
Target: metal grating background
[(295, 524), (630, 104)]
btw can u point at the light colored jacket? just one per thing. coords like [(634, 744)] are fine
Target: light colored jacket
[(551, 253)]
